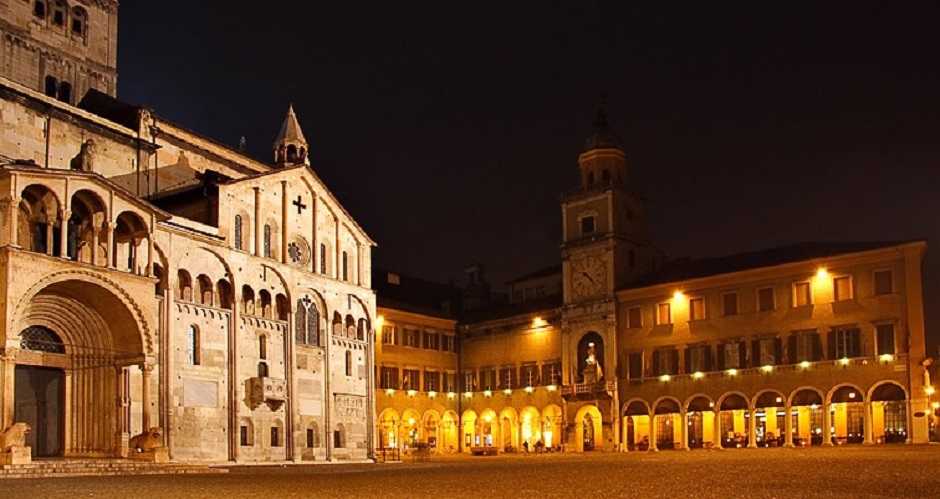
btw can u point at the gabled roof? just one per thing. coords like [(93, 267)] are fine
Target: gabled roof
[(684, 269)]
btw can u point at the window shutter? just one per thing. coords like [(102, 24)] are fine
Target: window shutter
[(755, 353), (778, 346), (791, 350), (687, 365), (721, 357), (656, 364), (742, 352), (709, 358), (675, 360), (831, 350)]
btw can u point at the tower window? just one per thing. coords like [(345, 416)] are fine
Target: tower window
[(58, 13), (52, 86), (79, 21), (605, 175), (238, 232), (193, 346), (348, 363), (65, 92), (345, 267), (267, 241), (39, 9), (590, 178), (587, 225)]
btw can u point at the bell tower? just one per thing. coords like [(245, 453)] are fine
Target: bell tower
[(290, 148), (60, 48)]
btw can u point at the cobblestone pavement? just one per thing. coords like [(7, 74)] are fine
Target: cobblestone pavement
[(886, 471)]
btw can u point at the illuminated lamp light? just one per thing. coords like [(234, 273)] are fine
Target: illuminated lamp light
[(507, 391), (930, 390), (887, 357), (677, 295), (550, 388), (379, 321), (664, 378), (487, 418), (779, 399), (468, 394), (538, 322), (487, 393), (432, 394), (698, 375), (844, 361), (768, 368), (411, 421), (935, 405), (389, 391), (732, 372), (411, 393), (822, 273), (852, 395), (450, 395), (711, 404), (528, 389), (804, 364)]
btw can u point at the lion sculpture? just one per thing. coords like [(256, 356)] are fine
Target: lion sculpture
[(147, 441), (14, 436)]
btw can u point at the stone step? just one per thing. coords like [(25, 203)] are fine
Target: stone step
[(103, 467)]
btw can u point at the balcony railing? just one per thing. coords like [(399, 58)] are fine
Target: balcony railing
[(599, 387)]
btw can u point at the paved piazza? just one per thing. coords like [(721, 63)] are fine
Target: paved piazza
[(905, 471)]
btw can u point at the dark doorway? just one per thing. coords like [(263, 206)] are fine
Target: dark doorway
[(40, 403)]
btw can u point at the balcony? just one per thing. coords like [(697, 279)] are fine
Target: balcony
[(271, 391), (589, 391)]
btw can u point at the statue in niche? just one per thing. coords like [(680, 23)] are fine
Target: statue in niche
[(85, 159), (592, 368)]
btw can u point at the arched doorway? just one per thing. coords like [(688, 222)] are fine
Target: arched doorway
[(588, 427), (846, 406), (666, 418), (807, 415), (889, 414), (771, 419), (701, 414), (636, 419), (81, 350), (733, 422)]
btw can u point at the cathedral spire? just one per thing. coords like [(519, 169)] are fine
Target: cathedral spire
[(290, 148)]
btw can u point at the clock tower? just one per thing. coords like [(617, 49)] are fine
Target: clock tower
[(604, 248)]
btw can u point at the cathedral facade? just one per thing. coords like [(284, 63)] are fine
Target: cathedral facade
[(162, 294)]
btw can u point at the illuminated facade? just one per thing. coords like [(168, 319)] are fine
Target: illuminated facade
[(812, 344), (157, 283)]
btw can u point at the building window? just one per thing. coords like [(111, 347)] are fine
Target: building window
[(65, 92), (388, 378), (698, 359), (767, 352), (635, 365), (244, 436), (339, 437), (58, 13), (432, 341), (884, 282), (432, 381), (469, 381), (267, 241), (587, 225), (841, 288), (52, 86), (388, 335), (345, 262), (238, 232), (665, 361), (39, 9), (529, 375), (193, 346), (79, 21), (488, 378), (262, 347), (411, 338), (696, 309), (733, 355), (663, 313), (349, 362), (885, 338), (323, 259), (450, 382), (847, 343), (507, 378), (263, 369), (765, 299), (449, 343), (729, 304), (551, 373), (802, 295), (311, 438), (275, 436), (634, 318), (410, 379), (804, 346)]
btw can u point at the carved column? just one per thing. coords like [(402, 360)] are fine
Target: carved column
[(64, 216), (146, 370), (8, 370)]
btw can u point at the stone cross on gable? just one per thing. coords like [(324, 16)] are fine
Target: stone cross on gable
[(299, 204)]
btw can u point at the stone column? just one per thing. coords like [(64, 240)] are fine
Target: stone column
[(282, 257), (752, 428), (716, 426), (64, 216), (827, 426), (14, 208), (788, 425), (109, 243), (95, 237), (146, 370), (653, 436), (50, 239), (258, 236), (149, 271), (8, 370), (684, 421), (866, 412), (123, 425)]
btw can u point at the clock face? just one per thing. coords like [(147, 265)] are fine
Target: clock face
[(588, 276)]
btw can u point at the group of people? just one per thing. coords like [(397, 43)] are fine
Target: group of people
[(538, 447)]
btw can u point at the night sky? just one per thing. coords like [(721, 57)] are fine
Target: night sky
[(449, 129)]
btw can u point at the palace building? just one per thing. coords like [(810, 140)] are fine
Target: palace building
[(163, 294), (621, 349)]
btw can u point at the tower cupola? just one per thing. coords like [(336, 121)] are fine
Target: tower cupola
[(290, 148), (603, 160)]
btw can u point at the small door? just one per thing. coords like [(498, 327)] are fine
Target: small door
[(39, 401)]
